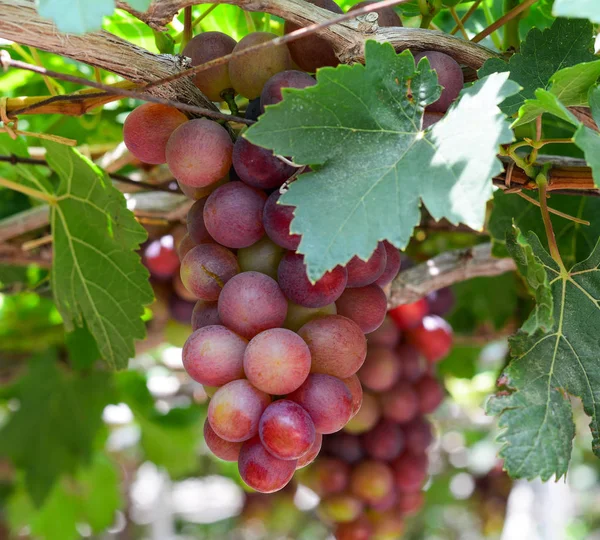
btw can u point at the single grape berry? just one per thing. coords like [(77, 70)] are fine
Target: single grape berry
[(433, 338), (384, 442), (340, 508), (372, 481), (271, 92), (366, 306), (298, 316), (277, 219), (160, 257), (205, 314), (450, 77), (410, 472), (312, 453), (367, 416), (381, 369), (387, 335), (362, 273), (408, 316), (195, 224), (430, 394), (392, 266), (264, 256), (440, 302), (225, 450), (400, 403), (353, 384)]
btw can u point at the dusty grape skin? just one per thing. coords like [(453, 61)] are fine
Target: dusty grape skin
[(410, 472), (235, 410), (233, 215), (450, 77), (384, 442), (203, 48), (356, 530), (372, 481), (440, 302), (263, 256), (214, 355), (195, 224), (337, 345), (298, 316), (312, 453), (225, 450), (367, 416), (250, 72), (185, 245), (356, 391), (430, 394), (392, 266), (313, 52), (206, 269), (250, 303), (327, 400), (271, 92), (277, 361), (387, 335), (417, 435), (160, 257), (432, 338), (400, 403), (296, 287), (381, 369), (346, 447), (387, 16), (409, 316), (366, 306), (205, 314), (414, 365), (286, 430), (147, 129), (410, 503), (259, 167), (263, 471), (277, 219), (362, 273), (328, 476), (340, 508), (199, 152)]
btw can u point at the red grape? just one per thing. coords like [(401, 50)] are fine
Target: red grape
[(387, 335), (414, 366), (198, 193), (250, 303), (233, 215), (408, 316), (401, 403), (263, 471), (387, 525), (296, 286), (160, 258), (328, 476), (384, 442), (392, 266), (353, 384), (372, 481), (417, 435), (440, 302), (286, 430), (381, 369), (271, 92), (346, 447), (450, 78), (214, 355), (430, 393), (185, 245), (327, 400), (366, 306), (430, 118), (277, 361), (235, 410), (259, 167), (410, 471), (361, 273), (205, 314), (228, 451), (433, 338), (366, 417), (337, 345), (410, 503), (277, 219), (310, 456), (181, 310), (195, 223), (356, 530)]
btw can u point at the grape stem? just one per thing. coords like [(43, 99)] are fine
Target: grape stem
[(188, 27), (459, 23), (515, 12), (542, 182), (466, 17)]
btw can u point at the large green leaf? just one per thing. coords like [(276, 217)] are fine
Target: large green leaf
[(566, 43), (360, 129), (585, 9), (53, 431), (549, 366), (92, 496)]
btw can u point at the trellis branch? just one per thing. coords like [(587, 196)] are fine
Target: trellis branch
[(445, 270)]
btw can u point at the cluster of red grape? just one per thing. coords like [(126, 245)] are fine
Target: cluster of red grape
[(277, 354), (370, 475)]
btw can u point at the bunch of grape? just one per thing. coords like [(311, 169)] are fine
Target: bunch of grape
[(277, 354), (370, 475)]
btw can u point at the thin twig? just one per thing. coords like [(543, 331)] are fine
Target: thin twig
[(552, 210), (515, 12), (466, 17), (458, 22)]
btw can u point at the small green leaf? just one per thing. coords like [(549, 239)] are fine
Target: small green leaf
[(54, 429), (547, 367), (583, 9), (361, 126), (76, 16), (534, 272), (566, 43)]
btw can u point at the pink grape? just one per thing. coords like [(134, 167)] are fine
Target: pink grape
[(359, 529), (387, 335), (296, 286), (327, 400), (197, 193), (259, 167), (409, 316), (367, 416), (430, 118), (361, 273), (250, 303), (214, 355), (206, 269), (392, 266), (337, 345), (387, 524), (261, 470), (433, 338), (410, 471), (311, 455), (381, 369), (181, 310), (277, 219), (205, 314), (235, 410), (366, 306), (160, 257), (277, 361), (228, 451), (385, 504), (372, 481), (440, 302), (353, 384), (195, 223), (199, 152), (185, 245), (271, 93), (430, 394), (414, 366), (384, 442), (450, 77), (298, 316), (328, 476), (410, 503), (417, 435), (286, 430), (233, 215), (400, 403)]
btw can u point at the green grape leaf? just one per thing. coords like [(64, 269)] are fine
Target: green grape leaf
[(461, 362), (91, 496), (583, 9), (534, 272), (76, 16), (55, 427), (547, 367), (575, 241), (97, 277), (571, 86), (543, 53), (359, 129), (82, 347), (30, 176)]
